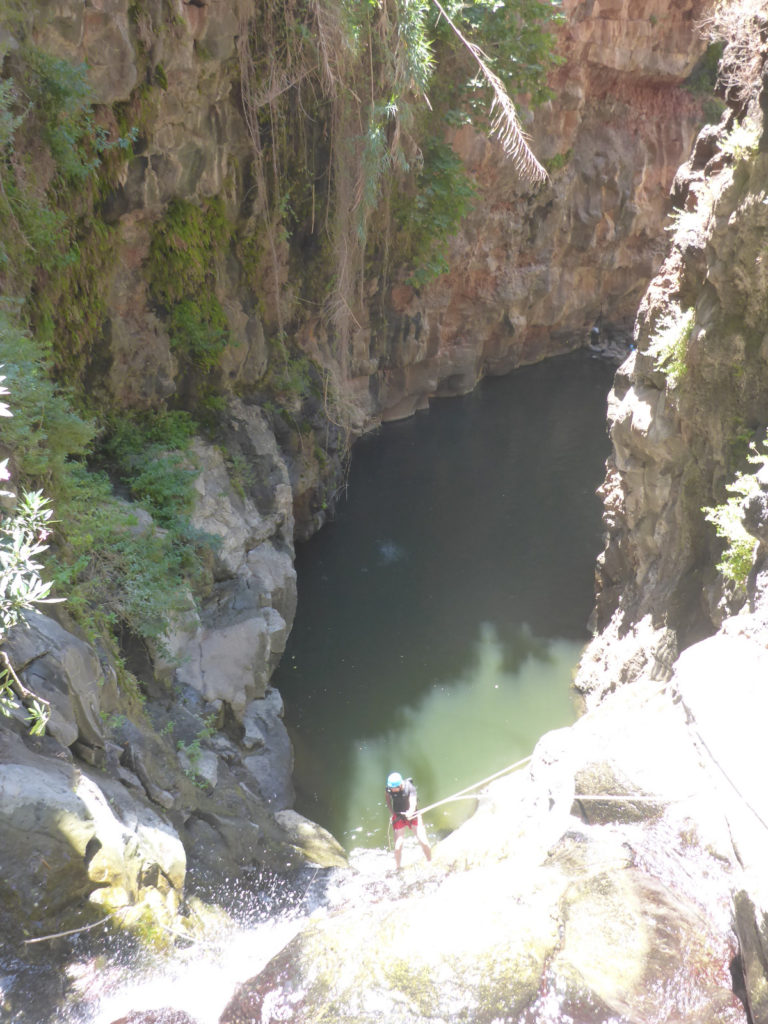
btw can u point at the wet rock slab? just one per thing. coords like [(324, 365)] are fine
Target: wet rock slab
[(594, 888)]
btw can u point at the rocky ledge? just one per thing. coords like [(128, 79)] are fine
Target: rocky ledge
[(615, 879)]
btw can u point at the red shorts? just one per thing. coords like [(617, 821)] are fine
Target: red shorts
[(398, 823)]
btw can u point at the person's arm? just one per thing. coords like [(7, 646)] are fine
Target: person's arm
[(412, 797)]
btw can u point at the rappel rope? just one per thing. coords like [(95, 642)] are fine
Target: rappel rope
[(468, 789), (467, 794), (463, 794)]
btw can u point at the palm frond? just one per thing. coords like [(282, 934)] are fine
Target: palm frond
[(505, 125)]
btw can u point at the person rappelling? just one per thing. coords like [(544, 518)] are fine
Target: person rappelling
[(402, 798)]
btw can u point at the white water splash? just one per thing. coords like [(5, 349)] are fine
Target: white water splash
[(199, 981)]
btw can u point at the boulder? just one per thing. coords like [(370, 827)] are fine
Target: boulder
[(229, 651), (232, 660), (271, 763), (310, 840), (65, 671), (73, 846)]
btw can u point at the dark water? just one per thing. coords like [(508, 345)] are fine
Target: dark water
[(443, 611)]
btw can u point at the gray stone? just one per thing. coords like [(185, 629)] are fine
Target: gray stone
[(67, 837), (66, 672), (272, 764), (311, 840)]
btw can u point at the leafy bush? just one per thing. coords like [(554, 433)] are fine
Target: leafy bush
[(45, 431), (198, 328), (516, 39), (429, 217), (703, 79), (117, 572), (23, 532), (290, 373), (114, 571), (147, 454), (742, 140), (727, 519), (669, 343), (22, 536), (51, 146), (182, 275)]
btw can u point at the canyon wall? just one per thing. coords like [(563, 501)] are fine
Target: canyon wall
[(687, 415), (532, 272)]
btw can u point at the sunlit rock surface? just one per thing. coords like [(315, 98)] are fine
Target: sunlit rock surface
[(677, 445), (109, 833), (69, 841), (596, 885)]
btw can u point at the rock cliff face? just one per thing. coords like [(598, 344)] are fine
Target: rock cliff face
[(648, 822), (532, 272), (684, 409)]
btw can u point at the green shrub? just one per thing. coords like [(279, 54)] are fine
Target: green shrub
[(182, 249), (742, 140), (703, 79), (727, 519), (147, 453), (182, 274), (45, 432), (669, 343), (115, 572), (289, 373), (198, 329), (428, 218), (51, 146)]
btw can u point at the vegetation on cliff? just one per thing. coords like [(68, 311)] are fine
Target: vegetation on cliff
[(734, 29), (346, 106)]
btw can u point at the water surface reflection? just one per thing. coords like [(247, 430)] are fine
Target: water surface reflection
[(458, 730), (465, 547)]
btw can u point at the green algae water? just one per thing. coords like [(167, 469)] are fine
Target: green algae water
[(442, 613)]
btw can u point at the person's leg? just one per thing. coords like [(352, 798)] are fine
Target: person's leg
[(399, 840), (421, 835)]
